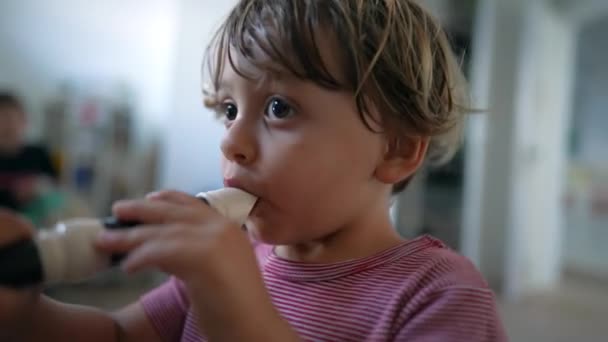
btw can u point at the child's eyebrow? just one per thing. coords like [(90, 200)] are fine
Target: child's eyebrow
[(224, 86), (269, 78)]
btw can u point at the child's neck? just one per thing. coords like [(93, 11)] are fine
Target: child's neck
[(369, 235)]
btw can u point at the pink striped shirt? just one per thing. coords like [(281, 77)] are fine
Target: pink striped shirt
[(417, 291)]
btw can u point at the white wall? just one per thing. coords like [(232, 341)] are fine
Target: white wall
[(488, 173), (192, 155), (482, 61), (581, 12), (96, 43), (545, 84), (589, 111), (522, 67), (586, 233)]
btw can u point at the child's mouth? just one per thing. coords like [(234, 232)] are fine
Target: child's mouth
[(233, 183)]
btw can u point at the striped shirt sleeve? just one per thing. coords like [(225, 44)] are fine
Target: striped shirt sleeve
[(167, 307), (454, 314)]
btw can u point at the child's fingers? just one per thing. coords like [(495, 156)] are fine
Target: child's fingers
[(125, 241), (172, 196), (157, 212), (170, 249), (154, 254)]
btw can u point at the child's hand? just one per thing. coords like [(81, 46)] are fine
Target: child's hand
[(16, 306), (184, 237), (180, 235)]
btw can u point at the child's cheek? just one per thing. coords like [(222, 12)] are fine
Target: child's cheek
[(223, 164)]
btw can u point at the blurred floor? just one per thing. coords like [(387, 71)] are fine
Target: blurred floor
[(577, 311)]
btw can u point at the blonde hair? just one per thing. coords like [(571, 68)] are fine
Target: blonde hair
[(394, 57)]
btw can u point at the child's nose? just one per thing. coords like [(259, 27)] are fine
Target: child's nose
[(239, 144)]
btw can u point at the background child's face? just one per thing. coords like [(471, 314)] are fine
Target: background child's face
[(304, 151), (12, 127)]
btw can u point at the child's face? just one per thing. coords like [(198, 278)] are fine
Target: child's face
[(304, 151), (12, 127)]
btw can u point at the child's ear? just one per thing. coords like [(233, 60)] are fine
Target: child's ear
[(402, 158)]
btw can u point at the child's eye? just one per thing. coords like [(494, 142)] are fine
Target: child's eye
[(278, 108), (229, 111)]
